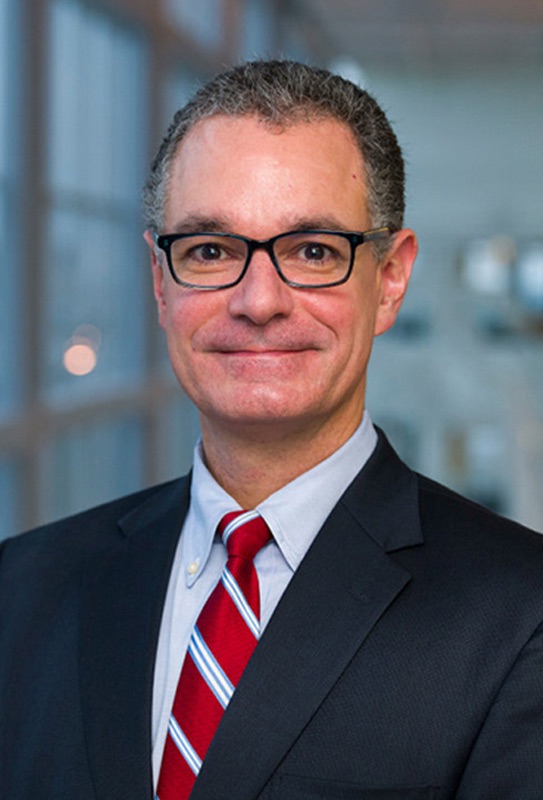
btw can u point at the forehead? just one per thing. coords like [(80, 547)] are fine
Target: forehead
[(244, 166)]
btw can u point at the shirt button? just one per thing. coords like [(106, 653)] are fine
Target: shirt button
[(193, 567)]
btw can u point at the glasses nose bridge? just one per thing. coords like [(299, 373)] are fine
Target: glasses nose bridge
[(262, 244)]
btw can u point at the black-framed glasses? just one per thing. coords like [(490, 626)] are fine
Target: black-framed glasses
[(308, 259)]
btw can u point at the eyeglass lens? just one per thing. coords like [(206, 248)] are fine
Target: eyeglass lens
[(305, 258)]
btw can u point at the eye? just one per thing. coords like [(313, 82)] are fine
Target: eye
[(210, 251), (313, 251)]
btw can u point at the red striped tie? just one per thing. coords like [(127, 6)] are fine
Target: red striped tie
[(221, 644)]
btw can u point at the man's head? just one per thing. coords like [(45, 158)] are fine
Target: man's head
[(284, 93), (257, 154)]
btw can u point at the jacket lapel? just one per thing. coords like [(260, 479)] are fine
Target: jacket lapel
[(122, 606), (341, 589)]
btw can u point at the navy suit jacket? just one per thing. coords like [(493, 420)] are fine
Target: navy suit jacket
[(404, 661)]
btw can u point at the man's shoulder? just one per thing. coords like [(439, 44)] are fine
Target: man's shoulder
[(470, 539), (78, 534), (433, 528), (45, 573), (440, 508), (454, 509)]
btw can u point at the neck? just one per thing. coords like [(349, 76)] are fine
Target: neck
[(252, 463)]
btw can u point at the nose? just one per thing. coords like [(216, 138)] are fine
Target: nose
[(261, 295)]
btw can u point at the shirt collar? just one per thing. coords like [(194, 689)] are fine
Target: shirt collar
[(293, 521), (208, 504)]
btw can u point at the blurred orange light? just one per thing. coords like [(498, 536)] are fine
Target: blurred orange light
[(79, 359)]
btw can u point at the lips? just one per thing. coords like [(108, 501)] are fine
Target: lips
[(263, 346), (262, 351), (256, 342)]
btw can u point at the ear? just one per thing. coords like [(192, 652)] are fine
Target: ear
[(158, 276), (395, 272)]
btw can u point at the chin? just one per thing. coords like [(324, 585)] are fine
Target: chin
[(261, 412)]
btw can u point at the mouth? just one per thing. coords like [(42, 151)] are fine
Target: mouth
[(291, 359), (259, 351), (263, 347), (272, 361)]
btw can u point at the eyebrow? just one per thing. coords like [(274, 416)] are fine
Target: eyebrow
[(318, 224), (200, 223), (196, 223)]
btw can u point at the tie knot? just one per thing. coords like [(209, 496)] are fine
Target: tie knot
[(244, 533)]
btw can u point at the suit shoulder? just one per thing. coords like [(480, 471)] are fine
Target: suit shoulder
[(446, 500), (475, 530), (84, 531)]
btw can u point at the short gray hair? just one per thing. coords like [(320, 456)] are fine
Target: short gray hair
[(283, 93)]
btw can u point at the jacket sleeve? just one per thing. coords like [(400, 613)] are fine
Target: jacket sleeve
[(506, 762)]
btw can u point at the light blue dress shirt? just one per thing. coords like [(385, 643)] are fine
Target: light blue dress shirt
[(294, 515)]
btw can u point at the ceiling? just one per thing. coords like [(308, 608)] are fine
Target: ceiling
[(426, 33)]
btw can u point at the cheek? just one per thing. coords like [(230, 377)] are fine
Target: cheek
[(187, 316), (355, 335), (178, 324), (182, 313), (350, 317)]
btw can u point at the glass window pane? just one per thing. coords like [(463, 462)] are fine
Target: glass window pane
[(96, 104), (9, 274), (128, 87), (4, 57), (258, 29), (97, 136), (91, 464), (9, 371), (180, 86), (93, 299), (95, 265), (66, 97), (202, 19), (9, 498), (178, 434), (529, 278)]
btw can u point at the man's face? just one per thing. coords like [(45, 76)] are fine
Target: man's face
[(262, 357)]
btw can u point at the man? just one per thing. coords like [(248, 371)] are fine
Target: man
[(400, 651)]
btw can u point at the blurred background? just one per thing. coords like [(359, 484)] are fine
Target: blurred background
[(88, 406)]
